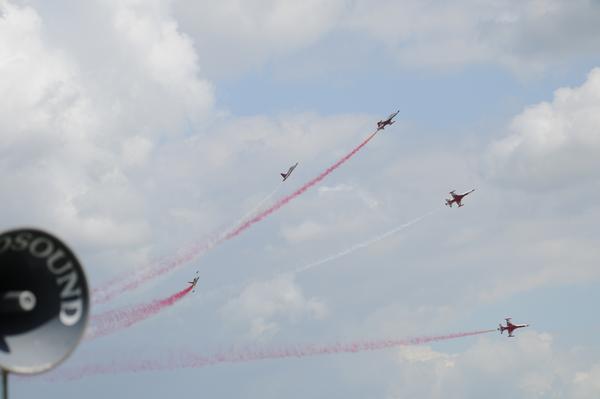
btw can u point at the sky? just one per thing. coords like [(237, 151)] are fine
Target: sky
[(135, 129)]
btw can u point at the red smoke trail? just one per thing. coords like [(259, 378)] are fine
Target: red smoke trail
[(296, 193), (192, 360), (108, 292), (122, 284), (115, 320)]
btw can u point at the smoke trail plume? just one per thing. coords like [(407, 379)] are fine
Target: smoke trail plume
[(361, 245), (124, 284), (247, 224), (236, 287), (121, 284), (119, 319), (189, 359)]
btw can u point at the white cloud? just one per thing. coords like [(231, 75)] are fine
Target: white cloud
[(163, 55), (525, 36), (236, 35), (424, 354), (136, 150), (35, 97), (308, 230), (403, 319), (366, 197), (530, 366), (75, 141), (552, 145), (265, 305), (586, 384)]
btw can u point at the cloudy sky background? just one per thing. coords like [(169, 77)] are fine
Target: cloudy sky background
[(134, 128)]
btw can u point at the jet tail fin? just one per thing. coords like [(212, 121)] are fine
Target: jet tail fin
[(283, 175)]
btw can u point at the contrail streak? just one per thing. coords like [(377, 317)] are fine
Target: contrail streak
[(361, 245), (124, 284), (189, 359), (119, 319)]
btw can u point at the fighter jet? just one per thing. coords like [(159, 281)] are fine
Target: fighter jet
[(382, 124), (457, 198), (194, 282), (510, 327), (289, 172)]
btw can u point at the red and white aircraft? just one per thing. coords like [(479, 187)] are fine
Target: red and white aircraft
[(510, 327), (457, 198), (289, 172), (382, 124)]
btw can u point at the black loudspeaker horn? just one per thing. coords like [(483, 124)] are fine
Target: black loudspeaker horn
[(44, 301)]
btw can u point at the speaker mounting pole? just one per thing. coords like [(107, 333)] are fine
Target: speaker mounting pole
[(4, 384)]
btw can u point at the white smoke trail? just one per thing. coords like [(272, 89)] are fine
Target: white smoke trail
[(232, 288), (361, 245)]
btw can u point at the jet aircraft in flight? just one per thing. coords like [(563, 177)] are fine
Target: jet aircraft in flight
[(382, 124), (510, 327), (193, 283), (457, 198), (289, 172)]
